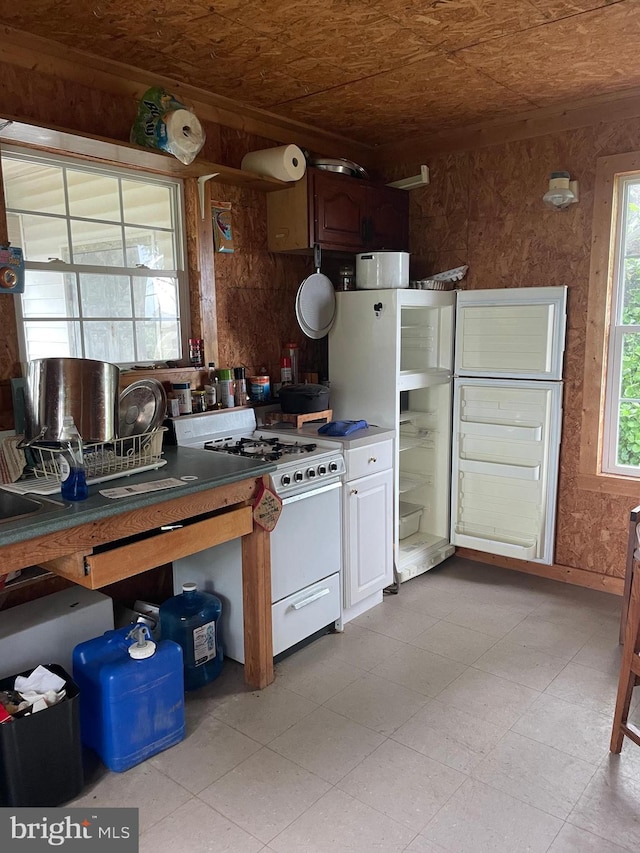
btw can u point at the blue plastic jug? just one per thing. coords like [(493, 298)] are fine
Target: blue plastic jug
[(131, 695), (191, 619)]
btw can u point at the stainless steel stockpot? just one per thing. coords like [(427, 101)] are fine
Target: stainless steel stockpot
[(86, 389)]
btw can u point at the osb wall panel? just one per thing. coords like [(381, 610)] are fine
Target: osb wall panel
[(256, 291), (512, 240)]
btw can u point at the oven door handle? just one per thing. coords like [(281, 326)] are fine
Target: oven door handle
[(311, 598), (328, 488)]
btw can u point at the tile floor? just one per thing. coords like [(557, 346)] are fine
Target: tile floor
[(469, 714)]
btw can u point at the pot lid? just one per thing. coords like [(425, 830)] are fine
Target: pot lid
[(316, 305), (142, 407), (304, 390)]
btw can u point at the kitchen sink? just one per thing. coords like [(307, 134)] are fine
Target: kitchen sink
[(13, 507)]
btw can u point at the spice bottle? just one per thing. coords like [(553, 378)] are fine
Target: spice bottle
[(286, 376), (240, 395), (226, 385), (291, 351)]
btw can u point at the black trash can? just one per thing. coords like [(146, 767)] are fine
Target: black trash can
[(41, 754)]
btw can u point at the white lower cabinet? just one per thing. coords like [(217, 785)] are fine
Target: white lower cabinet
[(368, 530)]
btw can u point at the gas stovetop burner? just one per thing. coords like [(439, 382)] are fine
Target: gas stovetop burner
[(265, 449)]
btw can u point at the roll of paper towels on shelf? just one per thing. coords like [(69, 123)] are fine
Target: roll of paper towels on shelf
[(165, 123), (286, 162)]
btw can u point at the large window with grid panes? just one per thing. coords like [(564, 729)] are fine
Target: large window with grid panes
[(104, 259)]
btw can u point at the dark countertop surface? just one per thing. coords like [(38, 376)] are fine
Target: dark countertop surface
[(209, 469)]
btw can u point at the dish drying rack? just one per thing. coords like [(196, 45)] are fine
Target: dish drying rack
[(102, 461)]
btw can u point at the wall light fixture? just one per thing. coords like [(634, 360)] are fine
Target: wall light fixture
[(562, 191)]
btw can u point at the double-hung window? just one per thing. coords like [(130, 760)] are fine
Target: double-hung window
[(104, 259), (621, 445)]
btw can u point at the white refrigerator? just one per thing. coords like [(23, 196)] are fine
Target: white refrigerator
[(477, 435)]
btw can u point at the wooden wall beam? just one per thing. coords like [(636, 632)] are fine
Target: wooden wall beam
[(201, 268), (526, 125), (39, 54), (556, 572)]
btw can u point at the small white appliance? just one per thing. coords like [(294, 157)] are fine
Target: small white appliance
[(306, 544), (378, 270)]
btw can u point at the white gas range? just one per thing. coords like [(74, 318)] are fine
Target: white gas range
[(306, 545), (302, 465)]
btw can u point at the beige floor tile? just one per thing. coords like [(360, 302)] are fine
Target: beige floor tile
[(561, 641), (362, 648), (570, 728), (421, 595), (489, 697), (449, 735), (210, 750), (402, 784), (521, 664), (454, 642), (420, 670), (487, 618), (199, 829), (143, 786), (312, 674), (377, 703), (397, 622), (585, 686), (263, 714), (327, 744), (535, 773), (420, 844), (338, 823), (480, 819), (264, 794), (602, 651), (570, 839), (609, 806), (572, 614)]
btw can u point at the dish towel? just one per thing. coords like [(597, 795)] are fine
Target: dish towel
[(12, 459)]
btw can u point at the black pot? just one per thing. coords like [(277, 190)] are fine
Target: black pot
[(302, 399)]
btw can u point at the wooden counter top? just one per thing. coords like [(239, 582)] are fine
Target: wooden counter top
[(99, 541)]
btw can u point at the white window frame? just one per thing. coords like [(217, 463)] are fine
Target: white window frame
[(180, 273), (617, 332)]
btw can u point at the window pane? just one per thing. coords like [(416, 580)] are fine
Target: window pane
[(93, 196), (631, 293), (158, 340), (97, 243), (44, 238), (53, 339), (629, 408), (49, 294), (155, 298), (147, 204), (105, 295), (109, 341), (152, 248), (33, 186)]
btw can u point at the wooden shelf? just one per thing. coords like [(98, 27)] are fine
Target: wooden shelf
[(59, 140)]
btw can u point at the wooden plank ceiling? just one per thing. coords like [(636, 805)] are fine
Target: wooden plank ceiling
[(374, 71)]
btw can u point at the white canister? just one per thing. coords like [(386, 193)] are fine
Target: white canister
[(182, 390), (380, 270)]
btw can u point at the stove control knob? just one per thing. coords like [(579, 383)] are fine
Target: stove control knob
[(322, 470), (285, 479), (333, 467), (298, 476), (311, 473)]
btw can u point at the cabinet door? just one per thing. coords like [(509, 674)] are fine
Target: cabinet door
[(388, 219), (339, 205), (369, 536)]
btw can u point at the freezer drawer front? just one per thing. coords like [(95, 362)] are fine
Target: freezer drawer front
[(505, 467), (511, 332), (305, 612)]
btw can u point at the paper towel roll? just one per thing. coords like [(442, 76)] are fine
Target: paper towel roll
[(185, 136), (286, 162)]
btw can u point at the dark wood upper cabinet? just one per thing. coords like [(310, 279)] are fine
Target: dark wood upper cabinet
[(337, 212)]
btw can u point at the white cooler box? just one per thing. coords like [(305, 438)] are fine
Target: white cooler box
[(48, 629)]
